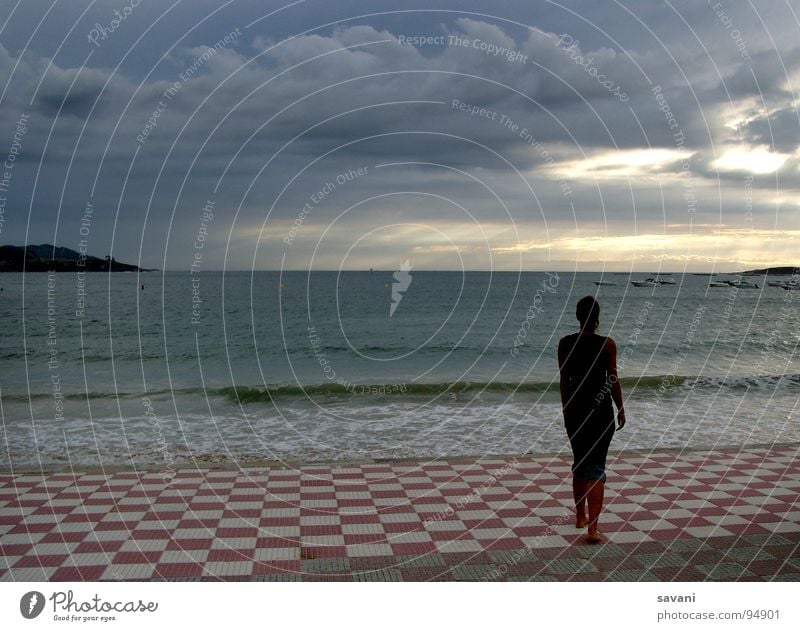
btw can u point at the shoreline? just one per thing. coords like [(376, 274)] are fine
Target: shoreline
[(298, 464)]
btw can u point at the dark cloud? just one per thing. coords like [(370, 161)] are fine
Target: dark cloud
[(780, 130), (262, 122), (72, 92)]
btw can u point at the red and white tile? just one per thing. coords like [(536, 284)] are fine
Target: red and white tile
[(251, 522)]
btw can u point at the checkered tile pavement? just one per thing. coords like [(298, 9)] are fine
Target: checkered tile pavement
[(691, 515)]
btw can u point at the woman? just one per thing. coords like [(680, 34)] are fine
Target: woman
[(588, 365)]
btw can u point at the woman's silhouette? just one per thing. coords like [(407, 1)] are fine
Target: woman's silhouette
[(589, 383)]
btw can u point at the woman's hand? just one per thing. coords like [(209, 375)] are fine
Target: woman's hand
[(620, 419)]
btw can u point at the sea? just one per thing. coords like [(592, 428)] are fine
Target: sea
[(173, 369)]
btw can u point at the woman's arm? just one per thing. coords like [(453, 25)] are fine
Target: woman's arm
[(616, 389), (562, 358)]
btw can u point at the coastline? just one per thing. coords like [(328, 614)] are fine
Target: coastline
[(254, 464)]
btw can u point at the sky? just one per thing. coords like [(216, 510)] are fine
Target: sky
[(353, 134)]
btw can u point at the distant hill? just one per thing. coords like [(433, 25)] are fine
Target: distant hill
[(46, 257), (775, 271)]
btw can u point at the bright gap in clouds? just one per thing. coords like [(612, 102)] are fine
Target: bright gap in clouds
[(759, 161), (620, 164)]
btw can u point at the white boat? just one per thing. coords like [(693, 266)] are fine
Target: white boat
[(743, 284), (719, 283), (603, 282), (661, 280), (653, 282)]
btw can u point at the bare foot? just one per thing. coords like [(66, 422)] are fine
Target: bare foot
[(593, 537), (581, 522)]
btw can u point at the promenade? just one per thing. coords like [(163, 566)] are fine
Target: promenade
[(730, 514)]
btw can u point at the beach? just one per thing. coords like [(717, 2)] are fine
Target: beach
[(447, 292), (311, 367), (325, 426)]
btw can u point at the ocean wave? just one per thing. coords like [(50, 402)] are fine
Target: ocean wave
[(759, 382), (254, 394), (248, 394)]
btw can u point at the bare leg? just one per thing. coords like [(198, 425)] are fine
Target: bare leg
[(579, 493), (594, 496)]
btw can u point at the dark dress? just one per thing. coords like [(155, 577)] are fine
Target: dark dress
[(589, 410)]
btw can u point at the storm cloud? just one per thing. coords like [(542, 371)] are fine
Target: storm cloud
[(363, 134)]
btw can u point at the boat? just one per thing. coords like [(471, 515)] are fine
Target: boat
[(776, 283), (791, 286), (649, 282), (719, 283), (743, 284), (603, 283), (653, 282), (661, 280)]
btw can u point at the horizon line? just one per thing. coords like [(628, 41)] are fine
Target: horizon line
[(503, 271)]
